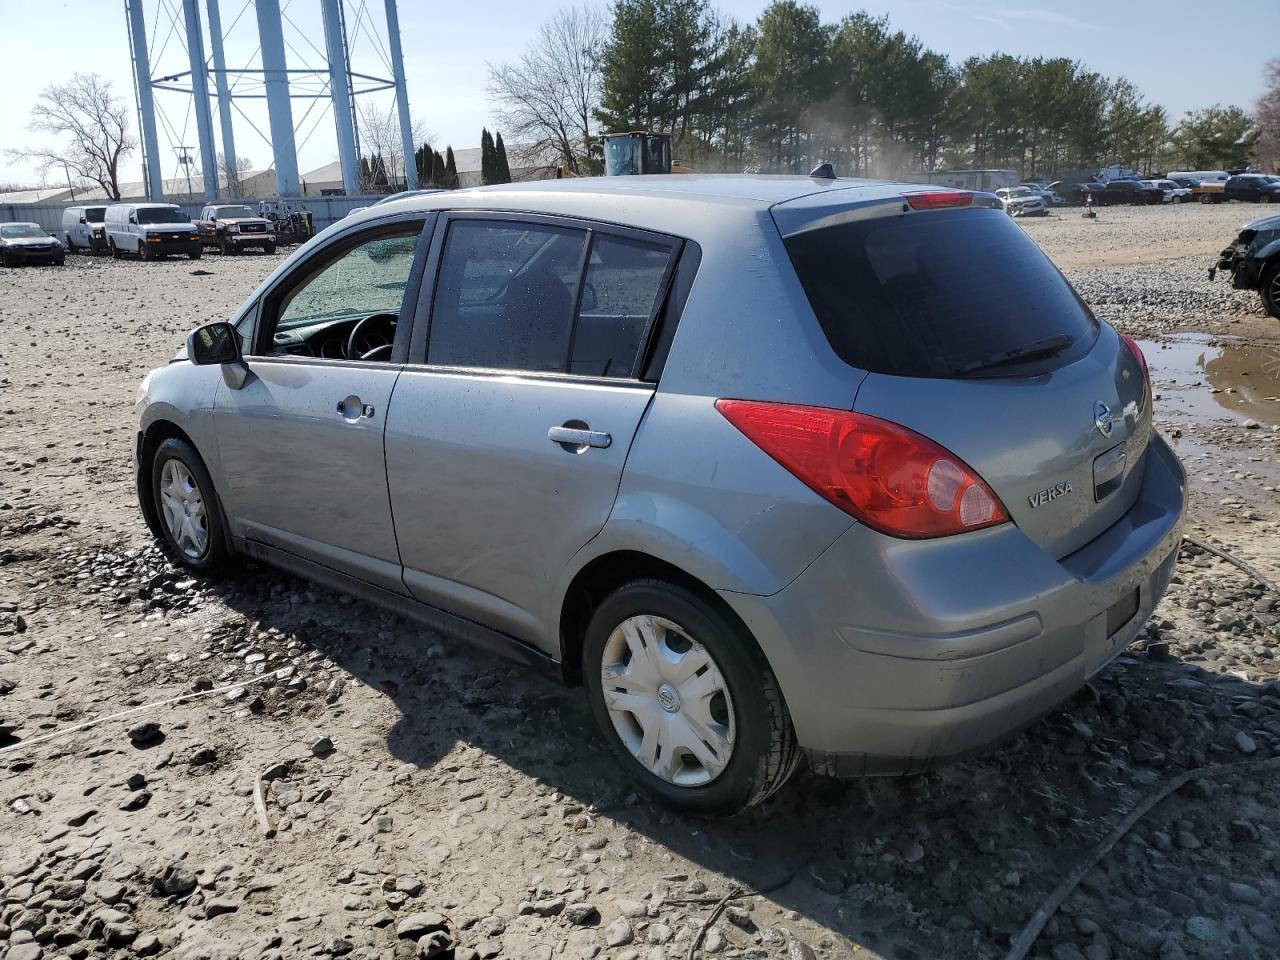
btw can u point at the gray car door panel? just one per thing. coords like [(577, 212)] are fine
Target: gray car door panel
[(302, 440), (489, 508)]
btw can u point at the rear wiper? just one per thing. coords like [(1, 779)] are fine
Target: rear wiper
[(1035, 350)]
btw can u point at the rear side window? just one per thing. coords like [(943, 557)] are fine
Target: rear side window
[(939, 294), (544, 298), (624, 280)]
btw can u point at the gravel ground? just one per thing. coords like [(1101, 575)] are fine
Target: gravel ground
[(427, 800)]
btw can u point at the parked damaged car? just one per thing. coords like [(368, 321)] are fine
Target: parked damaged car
[(914, 501), (1253, 260), (29, 243)]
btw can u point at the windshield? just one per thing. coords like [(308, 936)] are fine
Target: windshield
[(161, 215), (1020, 192), (95, 214), (931, 294), (22, 231), (227, 213)]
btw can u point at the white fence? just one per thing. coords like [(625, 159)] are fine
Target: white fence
[(324, 210)]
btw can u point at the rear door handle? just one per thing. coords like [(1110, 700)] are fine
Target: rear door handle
[(576, 437)]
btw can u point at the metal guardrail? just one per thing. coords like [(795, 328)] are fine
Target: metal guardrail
[(324, 210)]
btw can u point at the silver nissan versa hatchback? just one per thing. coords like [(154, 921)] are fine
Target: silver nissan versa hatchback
[(773, 466)]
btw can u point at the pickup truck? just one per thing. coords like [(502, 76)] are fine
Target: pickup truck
[(233, 226)]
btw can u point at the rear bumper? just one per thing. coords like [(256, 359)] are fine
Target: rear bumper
[(895, 656)]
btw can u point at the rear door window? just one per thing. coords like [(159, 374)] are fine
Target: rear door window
[(545, 298), (939, 294)]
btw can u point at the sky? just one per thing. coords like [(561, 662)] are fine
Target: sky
[(1182, 54)]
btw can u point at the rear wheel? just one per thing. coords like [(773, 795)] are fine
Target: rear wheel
[(115, 251), (195, 254), (187, 508), (1270, 289), (686, 700)]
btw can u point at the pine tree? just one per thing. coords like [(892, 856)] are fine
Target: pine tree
[(501, 168), (488, 158), (437, 169), (450, 170), (423, 159)]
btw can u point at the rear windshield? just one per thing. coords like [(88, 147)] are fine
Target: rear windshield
[(939, 294), (95, 214)]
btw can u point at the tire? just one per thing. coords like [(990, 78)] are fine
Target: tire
[(61, 261), (5, 261), (196, 254), (1264, 198), (745, 711), (115, 251), (270, 248), (192, 485), (1270, 289), (224, 248)]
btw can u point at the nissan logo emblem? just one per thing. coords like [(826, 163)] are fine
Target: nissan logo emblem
[(1102, 418)]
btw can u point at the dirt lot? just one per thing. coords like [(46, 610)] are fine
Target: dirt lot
[(417, 786)]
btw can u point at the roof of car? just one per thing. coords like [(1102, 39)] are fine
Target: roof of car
[(751, 189)]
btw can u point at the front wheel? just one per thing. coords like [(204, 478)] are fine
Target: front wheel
[(1270, 290), (686, 700), (187, 508), (270, 248), (195, 254)]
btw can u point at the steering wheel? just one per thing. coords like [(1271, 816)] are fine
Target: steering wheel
[(365, 343)]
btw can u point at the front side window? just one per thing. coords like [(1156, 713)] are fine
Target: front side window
[(505, 296), (369, 278)]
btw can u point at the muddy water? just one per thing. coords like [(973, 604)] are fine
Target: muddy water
[(1215, 378)]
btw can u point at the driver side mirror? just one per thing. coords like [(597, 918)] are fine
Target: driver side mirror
[(213, 343), (133, 218), (218, 343), (83, 220)]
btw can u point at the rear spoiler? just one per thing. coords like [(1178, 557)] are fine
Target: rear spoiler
[(818, 212)]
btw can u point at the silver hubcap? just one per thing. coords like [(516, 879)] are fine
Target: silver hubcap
[(668, 701), (183, 509)]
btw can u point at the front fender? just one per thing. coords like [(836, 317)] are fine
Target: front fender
[(184, 394)]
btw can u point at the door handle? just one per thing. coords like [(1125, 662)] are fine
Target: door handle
[(352, 409), (579, 437)]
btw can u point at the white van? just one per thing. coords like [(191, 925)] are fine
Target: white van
[(151, 230), (83, 228)]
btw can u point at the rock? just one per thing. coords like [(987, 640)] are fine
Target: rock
[(109, 891), (634, 909), (738, 916), (145, 734), (799, 950), (119, 934), (322, 747), (434, 944), (202, 756), (176, 879), (1204, 929), (218, 906), (24, 951), (146, 945), (135, 801), (408, 885), (1244, 743), (418, 924), (135, 781), (581, 913), (1244, 893), (659, 933), (619, 933), (1065, 951)]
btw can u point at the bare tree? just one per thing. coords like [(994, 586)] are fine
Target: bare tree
[(94, 124), (546, 99), (1267, 115), (232, 177), (382, 147)]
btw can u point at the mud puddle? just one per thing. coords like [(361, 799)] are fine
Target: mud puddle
[(1214, 378)]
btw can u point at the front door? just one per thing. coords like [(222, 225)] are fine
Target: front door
[(506, 447), (301, 440)]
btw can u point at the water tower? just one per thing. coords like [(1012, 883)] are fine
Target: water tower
[(181, 49)]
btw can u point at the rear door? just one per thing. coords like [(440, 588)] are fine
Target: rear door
[(507, 437), (974, 339)]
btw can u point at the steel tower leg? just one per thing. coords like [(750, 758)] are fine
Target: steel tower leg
[(200, 95), (402, 96), (146, 107), (340, 90), (276, 77), (224, 99)]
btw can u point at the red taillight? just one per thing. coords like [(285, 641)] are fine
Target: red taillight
[(888, 477), (1140, 357), (939, 199)]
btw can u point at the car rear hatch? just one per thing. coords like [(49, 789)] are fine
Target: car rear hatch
[(973, 338)]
